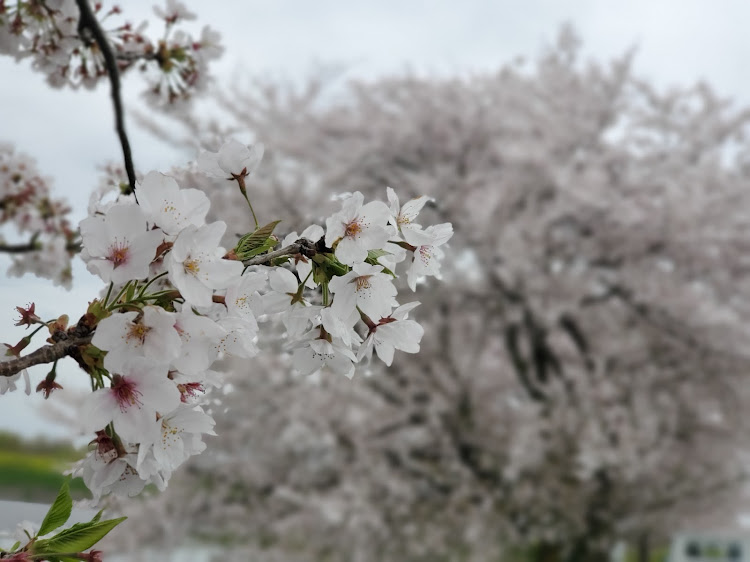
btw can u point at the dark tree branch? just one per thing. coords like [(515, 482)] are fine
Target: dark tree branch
[(520, 365), (33, 247), (88, 29), (302, 246), (46, 354)]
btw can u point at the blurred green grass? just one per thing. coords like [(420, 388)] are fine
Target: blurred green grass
[(32, 470)]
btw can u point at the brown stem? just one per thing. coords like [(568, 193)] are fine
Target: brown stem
[(302, 246), (46, 354), (33, 247), (88, 26)]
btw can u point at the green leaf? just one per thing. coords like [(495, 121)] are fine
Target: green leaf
[(372, 259), (98, 516), (255, 239), (375, 254), (78, 538), (59, 513), (15, 546), (386, 270), (267, 245)]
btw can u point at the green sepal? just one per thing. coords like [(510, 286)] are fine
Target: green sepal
[(93, 356), (77, 538), (59, 512), (130, 293), (97, 310), (326, 267)]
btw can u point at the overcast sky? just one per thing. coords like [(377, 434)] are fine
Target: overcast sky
[(69, 133)]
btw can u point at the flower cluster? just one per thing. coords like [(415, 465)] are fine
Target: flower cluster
[(52, 35), (178, 301), (26, 203)]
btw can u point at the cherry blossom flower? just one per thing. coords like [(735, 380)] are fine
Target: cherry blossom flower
[(239, 338), (138, 392), (234, 159), (358, 228), (103, 475), (317, 354), (28, 315), (176, 436), (427, 258), (283, 293), (118, 246), (403, 218), (243, 298), (341, 328), (365, 287), (149, 333), (285, 297), (169, 207), (192, 386), (298, 319), (199, 336), (175, 11), (196, 266), (208, 46), (392, 333)]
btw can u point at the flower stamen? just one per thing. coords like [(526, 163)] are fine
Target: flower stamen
[(126, 393)]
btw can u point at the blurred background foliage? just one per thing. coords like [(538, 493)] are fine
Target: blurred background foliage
[(32, 469), (584, 372)]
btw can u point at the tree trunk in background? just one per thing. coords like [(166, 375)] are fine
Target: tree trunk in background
[(546, 552), (644, 550)]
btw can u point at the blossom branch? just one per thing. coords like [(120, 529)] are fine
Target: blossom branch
[(131, 58), (302, 246), (88, 26), (46, 354), (33, 246)]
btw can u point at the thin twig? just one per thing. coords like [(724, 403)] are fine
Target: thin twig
[(302, 246), (88, 26), (34, 246), (46, 354)]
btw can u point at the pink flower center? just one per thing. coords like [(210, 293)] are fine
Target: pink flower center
[(192, 266), (138, 332), (362, 282), (353, 228), (126, 393), (118, 254), (190, 390), (425, 254)]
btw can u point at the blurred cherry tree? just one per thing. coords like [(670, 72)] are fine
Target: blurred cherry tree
[(584, 375)]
